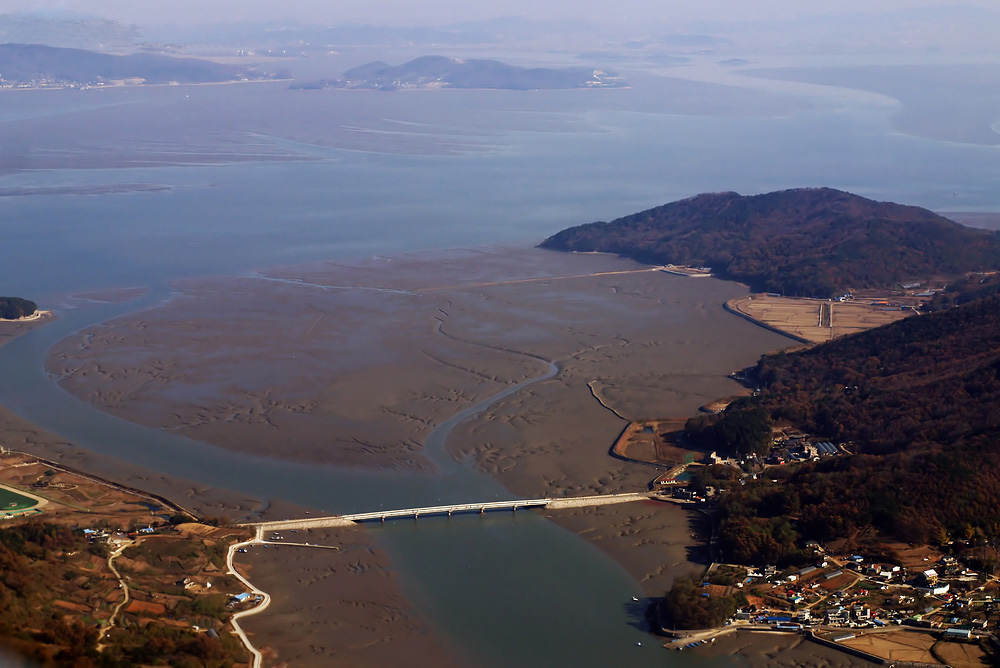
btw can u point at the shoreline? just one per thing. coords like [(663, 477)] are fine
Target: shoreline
[(34, 317)]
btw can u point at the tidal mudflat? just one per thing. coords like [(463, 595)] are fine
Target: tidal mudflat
[(353, 364)]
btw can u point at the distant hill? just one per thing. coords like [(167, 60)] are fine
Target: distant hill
[(39, 65), (80, 33), (442, 72), (808, 241), (916, 401)]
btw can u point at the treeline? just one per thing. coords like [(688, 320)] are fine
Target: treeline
[(12, 308), (809, 241), (743, 429), (917, 400), (28, 553), (688, 606)]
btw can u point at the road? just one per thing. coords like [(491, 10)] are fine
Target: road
[(122, 585), (260, 607)]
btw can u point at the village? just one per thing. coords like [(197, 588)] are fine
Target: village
[(931, 609), (905, 603)]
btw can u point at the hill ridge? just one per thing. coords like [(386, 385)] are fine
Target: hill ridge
[(802, 241)]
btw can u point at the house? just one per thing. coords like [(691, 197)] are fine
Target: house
[(838, 615), (957, 634)]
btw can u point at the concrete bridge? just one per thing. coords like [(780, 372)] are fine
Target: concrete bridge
[(482, 508)]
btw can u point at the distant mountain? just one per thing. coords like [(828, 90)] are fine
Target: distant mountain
[(80, 33), (38, 65), (807, 241), (443, 72)]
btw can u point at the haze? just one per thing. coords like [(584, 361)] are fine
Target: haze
[(442, 12)]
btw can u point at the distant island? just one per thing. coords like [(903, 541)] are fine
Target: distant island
[(816, 242), (14, 308), (40, 66), (443, 72)]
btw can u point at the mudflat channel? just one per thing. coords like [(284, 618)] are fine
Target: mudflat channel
[(322, 384)]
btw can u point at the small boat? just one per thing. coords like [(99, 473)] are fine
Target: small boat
[(635, 598), (638, 644)]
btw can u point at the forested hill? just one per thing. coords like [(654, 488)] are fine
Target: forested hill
[(37, 64), (918, 400), (807, 241), (444, 72), (12, 308)]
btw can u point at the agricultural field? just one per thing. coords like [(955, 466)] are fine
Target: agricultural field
[(819, 320)]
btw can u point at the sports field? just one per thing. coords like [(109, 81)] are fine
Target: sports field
[(11, 501)]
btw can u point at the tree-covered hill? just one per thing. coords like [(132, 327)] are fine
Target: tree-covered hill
[(12, 308), (807, 241), (36, 63), (444, 72)]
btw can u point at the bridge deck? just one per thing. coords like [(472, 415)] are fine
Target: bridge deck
[(481, 507)]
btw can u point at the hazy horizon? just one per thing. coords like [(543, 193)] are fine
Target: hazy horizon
[(448, 12)]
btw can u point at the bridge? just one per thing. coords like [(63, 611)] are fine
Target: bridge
[(481, 508)]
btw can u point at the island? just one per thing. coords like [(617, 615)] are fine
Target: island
[(16, 308), (813, 242), (40, 66), (444, 72)]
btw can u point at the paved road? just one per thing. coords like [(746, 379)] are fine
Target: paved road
[(260, 607)]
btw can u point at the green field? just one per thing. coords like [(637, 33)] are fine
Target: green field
[(12, 501)]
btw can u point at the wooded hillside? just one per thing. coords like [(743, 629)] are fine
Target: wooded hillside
[(808, 241)]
